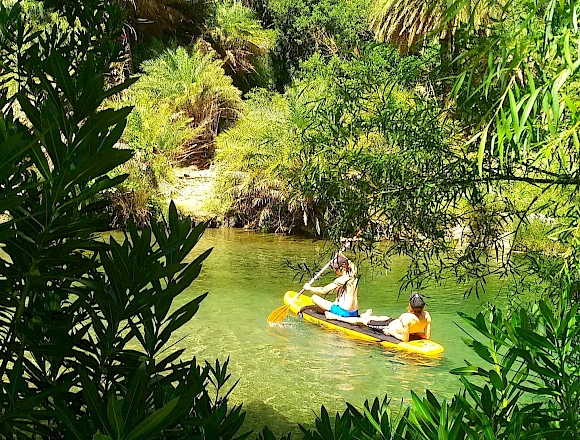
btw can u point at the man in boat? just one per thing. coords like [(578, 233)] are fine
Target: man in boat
[(346, 287), (416, 321)]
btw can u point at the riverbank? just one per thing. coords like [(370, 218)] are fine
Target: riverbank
[(192, 191)]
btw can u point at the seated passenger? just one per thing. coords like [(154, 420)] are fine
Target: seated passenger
[(345, 286), (415, 321)]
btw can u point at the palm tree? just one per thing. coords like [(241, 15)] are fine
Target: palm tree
[(408, 22), (194, 84), (158, 17), (239, 37)]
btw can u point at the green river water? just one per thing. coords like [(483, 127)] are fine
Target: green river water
[(287, 372)]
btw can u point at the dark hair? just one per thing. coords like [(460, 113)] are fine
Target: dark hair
[(416, 302)]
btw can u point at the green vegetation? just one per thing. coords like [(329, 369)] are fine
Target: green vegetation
[(358, 136), (85, 323), (408, 24), (194, 85), (242, 43), (182, 100), (255, 161), (308, 26)]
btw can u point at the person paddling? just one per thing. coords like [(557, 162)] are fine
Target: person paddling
[(345, 286), (416, 321)]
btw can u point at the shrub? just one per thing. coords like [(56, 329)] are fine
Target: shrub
[(307, 26), (261, 163), (85, 323), (255, 160), (157, 137)]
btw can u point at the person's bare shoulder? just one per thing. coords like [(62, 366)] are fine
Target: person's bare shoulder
[(341, 280), (427, 316), (407, 319)]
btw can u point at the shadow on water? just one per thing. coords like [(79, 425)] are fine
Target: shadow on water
[(260, 414)]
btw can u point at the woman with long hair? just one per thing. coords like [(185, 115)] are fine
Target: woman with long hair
[(416, 321)]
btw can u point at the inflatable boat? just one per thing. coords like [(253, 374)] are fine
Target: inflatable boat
[(303, 306)]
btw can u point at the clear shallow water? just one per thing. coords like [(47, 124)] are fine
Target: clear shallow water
[(287, 372)]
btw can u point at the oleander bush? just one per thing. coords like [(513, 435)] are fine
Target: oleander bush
[(86, 321)]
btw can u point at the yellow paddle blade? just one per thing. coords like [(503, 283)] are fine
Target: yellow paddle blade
[(278, 315)]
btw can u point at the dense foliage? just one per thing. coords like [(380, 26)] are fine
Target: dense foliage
[(454, 153), (307, 26), (243, 44), (86, 322), (182, 100), (255, 161)]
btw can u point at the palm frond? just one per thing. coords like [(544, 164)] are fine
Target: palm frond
[(407, 22), (239, 37)]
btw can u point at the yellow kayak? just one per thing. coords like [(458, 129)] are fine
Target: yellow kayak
[(421, 346)]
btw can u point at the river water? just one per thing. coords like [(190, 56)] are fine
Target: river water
[(287, 372)]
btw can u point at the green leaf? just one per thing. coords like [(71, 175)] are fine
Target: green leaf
[(443, 428), (94, 401), (488, 431), (153, 424), (179, 318), (120, 87), (556, 85), (486, 402), (497, 381), (567, 53), (371, 419), (66, 416), (527, 110), (422, 409), (59, 68), (481, 150), (513, 110), (482, 351), (98, 165), (467, 370), (32, 113), (115, 415), (534, 340), (547, 315), (136, 396)]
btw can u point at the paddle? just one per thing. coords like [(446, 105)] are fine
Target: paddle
[(280, 313)]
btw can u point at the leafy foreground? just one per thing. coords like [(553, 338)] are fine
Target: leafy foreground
[(87, 326), (88, 329)]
